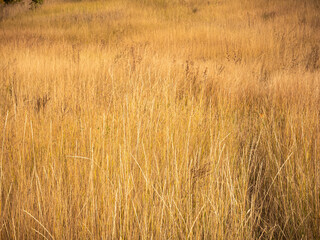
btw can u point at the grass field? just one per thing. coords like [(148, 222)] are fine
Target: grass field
[(160, 119)]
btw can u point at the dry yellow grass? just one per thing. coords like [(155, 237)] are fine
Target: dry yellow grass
[(161, 120)]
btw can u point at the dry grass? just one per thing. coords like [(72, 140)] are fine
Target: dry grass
[(161, 119)]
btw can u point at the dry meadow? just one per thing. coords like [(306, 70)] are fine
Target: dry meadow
[(158, 119)]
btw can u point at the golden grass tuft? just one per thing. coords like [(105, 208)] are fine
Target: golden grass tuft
[(160, 119)]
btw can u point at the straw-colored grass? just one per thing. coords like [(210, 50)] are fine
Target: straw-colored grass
[(158, 119)]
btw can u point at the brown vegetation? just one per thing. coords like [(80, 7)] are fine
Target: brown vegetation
[(161, 120)]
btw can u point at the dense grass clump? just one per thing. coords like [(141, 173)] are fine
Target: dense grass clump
[(160, 120)]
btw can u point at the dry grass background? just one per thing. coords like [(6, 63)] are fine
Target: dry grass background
[(161, 120)]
